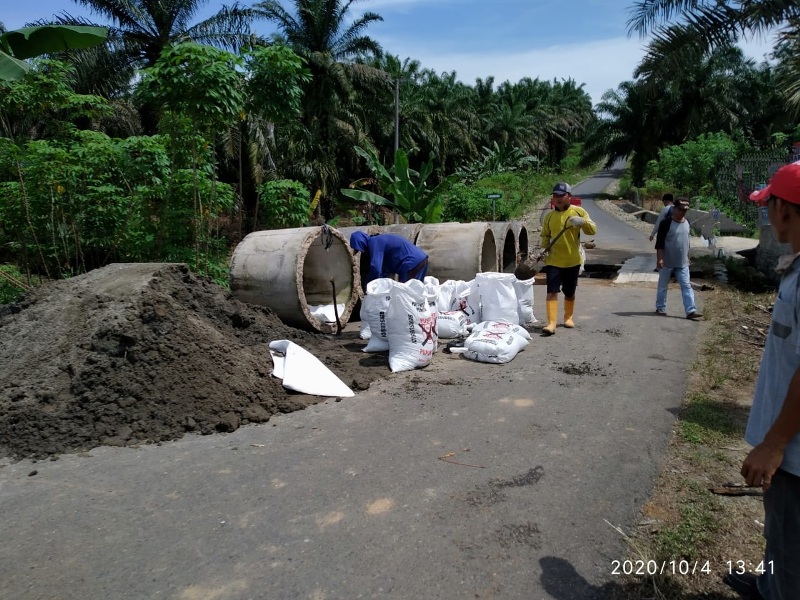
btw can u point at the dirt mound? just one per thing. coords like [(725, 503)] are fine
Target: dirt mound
[(136, 353)]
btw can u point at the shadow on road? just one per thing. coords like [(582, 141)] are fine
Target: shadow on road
[(561, 581)]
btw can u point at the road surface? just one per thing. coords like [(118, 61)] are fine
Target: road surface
[(461, 480)]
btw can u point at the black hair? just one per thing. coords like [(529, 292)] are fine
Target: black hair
[(667, 197)]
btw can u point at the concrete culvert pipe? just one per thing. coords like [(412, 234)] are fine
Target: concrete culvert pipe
[(290, 271), (506, 246), (521, 234), (458, 250), (410, 231)]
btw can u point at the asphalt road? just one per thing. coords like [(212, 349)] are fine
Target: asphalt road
[(461, 480)]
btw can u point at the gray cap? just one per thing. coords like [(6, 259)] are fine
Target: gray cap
[(562, 189)]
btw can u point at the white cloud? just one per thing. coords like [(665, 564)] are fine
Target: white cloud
[(599, 64)]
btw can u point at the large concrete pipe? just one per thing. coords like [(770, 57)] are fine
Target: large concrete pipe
[(368, 229), (506, 246), (521, 234), (290, 270), (410, 231), (458, 250)]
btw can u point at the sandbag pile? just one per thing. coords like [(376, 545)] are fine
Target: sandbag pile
[(407, 319), (401, 320)]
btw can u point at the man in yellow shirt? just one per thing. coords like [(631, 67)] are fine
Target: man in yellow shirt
[(563, 261)]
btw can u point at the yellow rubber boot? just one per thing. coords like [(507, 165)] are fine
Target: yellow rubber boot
[(569, 308), (552, 315)]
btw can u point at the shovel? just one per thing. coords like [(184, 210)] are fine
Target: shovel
[(527, 268)]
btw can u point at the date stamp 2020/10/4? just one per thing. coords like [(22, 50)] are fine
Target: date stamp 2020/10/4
[(687, 567), (663, 567)]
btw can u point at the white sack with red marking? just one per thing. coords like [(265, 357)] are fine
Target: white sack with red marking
[(491, 347), (466, 301), (501, 327), (411, 327)]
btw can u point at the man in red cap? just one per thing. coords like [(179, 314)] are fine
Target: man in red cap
[(773, 428)]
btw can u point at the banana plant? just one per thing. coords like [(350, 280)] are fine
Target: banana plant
[(19, 44), (407, 189)]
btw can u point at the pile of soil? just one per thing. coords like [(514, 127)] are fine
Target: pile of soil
[(137, 353)]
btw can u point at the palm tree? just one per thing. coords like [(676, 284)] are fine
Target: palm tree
[(319, 32), (628, 125), (707, 95), (450, 117), (682, 28), (139, 30)]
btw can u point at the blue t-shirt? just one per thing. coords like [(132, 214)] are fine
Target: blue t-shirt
[(779, 363), (389, 254)]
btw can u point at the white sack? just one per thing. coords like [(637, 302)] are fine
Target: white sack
[(583, 258), (502, 327), (411, 327), (524, 291), (301, 371), (374, 305), (497, 297), (432, 293), (466, 301), (486, 346), (364, 331), (451, 324), (444, 297)]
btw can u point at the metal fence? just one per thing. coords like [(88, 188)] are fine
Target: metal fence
[(736, 177)]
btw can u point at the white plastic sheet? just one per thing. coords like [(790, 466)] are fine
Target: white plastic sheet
[(325, 312), (303, 372)]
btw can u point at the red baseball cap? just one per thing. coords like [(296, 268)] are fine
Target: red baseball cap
[(785, 184)]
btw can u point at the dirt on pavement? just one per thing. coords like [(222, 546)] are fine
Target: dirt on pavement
[(137, 353)]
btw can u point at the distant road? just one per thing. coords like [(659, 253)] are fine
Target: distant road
[(616, 240)]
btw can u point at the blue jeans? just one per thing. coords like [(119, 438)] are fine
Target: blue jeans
[(687, 294), (781, 575)]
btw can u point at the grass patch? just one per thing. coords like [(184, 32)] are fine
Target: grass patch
[(687, 538), (707, 421), (685, 519)]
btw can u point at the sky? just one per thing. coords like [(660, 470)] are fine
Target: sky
[(583, 40)]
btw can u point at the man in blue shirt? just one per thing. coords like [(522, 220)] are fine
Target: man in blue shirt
[(390, 254), (773, 428)]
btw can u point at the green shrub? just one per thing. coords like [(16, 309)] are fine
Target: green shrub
[(12, 283), (467, 204), (284, 204)]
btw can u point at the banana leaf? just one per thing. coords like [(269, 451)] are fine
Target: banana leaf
[(19, 44)]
